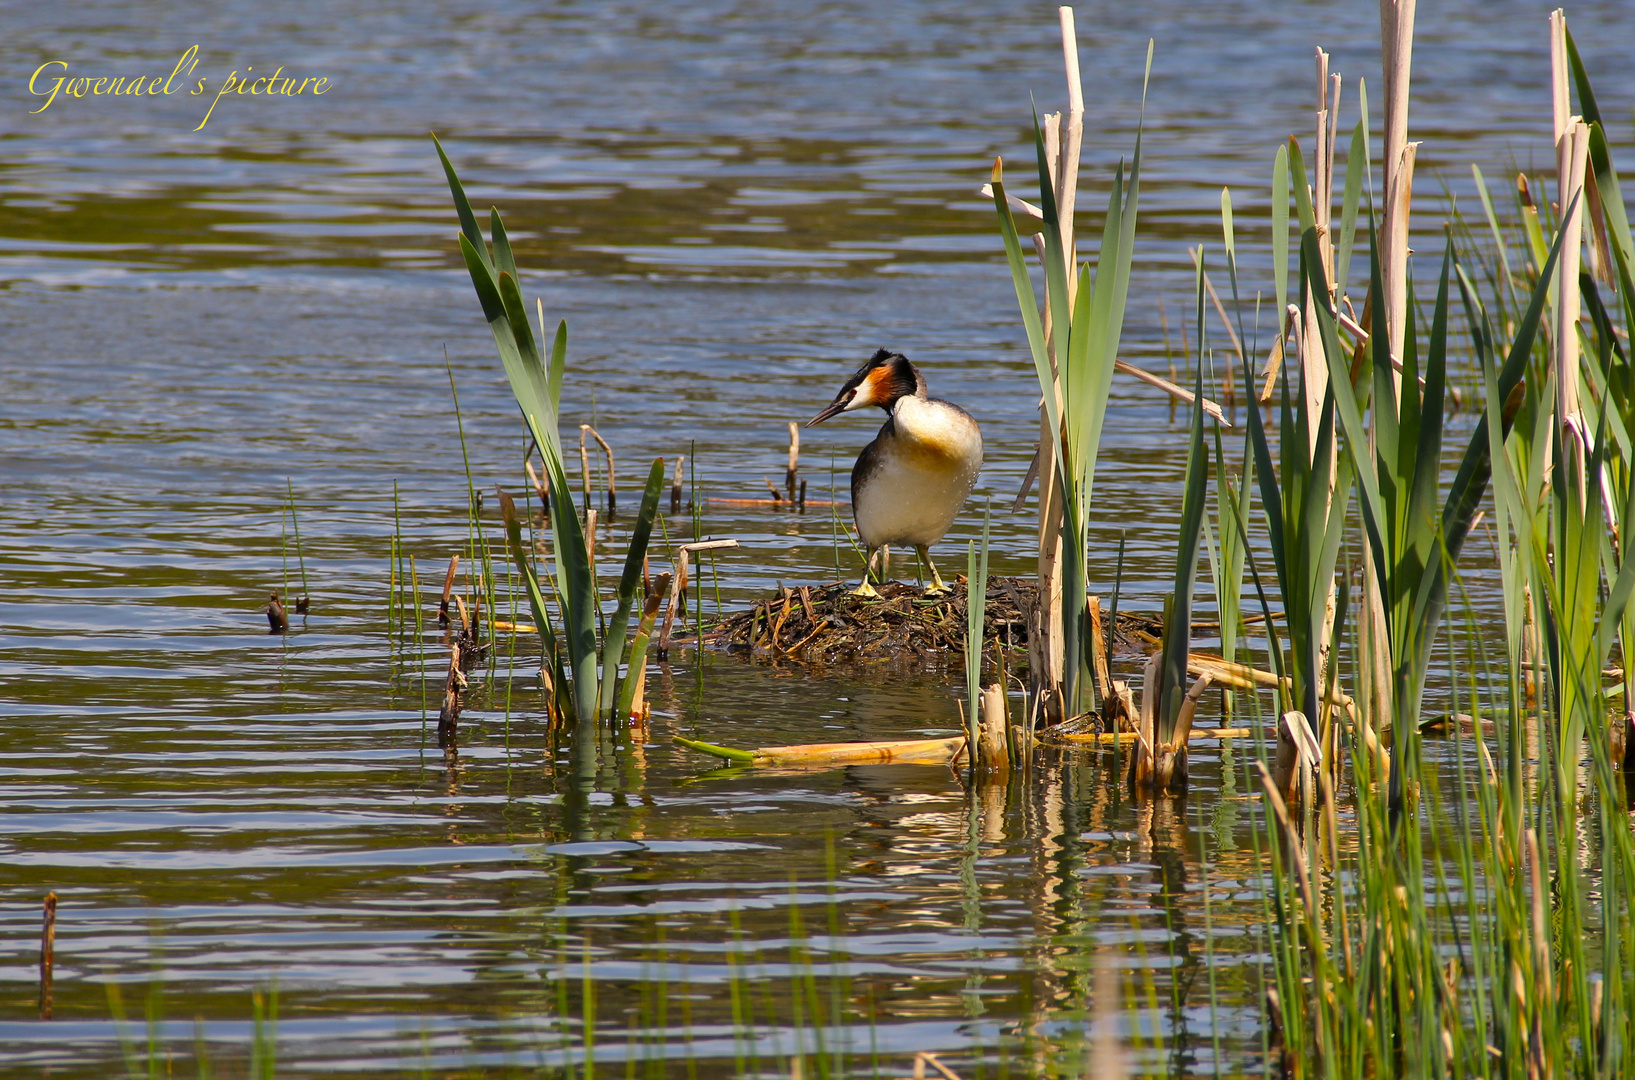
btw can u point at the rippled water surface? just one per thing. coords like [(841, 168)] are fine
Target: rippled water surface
[(732, 204)]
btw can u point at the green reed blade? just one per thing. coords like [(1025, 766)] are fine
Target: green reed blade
[(630, 582), (525, 568), (976, 602), (504, 261), (1023, 283), (468, 220), (1280, 232), (1355, 159), (1055, 264), (1178, 625)]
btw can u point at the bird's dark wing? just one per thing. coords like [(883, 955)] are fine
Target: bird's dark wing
[(868, 462)]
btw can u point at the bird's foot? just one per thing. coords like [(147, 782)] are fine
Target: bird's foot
[(937, 587), (865, 591)]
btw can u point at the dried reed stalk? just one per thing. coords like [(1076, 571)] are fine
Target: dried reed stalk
[(947, 751), (540, 487), (1572, 142), (1396, 54), (992, 751), (1108, 738), (48, 952), (794, 460), (448, 590), (678, 584), (584, 461)]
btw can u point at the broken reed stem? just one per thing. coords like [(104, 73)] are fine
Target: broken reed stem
[(1572, 150), (540, 487), (448, 717), (590, 540), (584, 461), (1124, 738), (675, 485), (1098, 642), (448, 589), (48, 951), (1396, 51), (1071, 138), (277, 620), (794, 460), (992, 749), (678, 585)]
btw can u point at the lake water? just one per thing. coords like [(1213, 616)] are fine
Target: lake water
[(732, 204)]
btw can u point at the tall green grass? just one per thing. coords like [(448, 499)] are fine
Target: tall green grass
[(1484, 928), (584, 669), (1075, 368)]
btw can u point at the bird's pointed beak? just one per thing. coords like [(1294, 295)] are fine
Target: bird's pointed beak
[(835, 408)]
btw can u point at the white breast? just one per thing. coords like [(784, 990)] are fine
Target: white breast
[(911, 481)]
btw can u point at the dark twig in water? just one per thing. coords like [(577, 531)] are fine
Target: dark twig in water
[(277, 621), (448, 590), (48, 950), (448, 718)]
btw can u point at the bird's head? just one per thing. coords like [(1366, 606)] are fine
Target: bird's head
[(883, 378)]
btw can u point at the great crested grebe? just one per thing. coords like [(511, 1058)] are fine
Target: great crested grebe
[(910, 482)]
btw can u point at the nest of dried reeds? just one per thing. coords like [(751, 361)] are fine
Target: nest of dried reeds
[(825, 624)]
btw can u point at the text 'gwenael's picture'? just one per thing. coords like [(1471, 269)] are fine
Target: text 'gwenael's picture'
[(870, 541)]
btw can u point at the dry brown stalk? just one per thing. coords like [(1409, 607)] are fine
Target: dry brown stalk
[(1297, 757), (448, 590), (448, 717), (1108, 1050), (924, 1058), (584, 462), (1291, 838), (1098, 643), (540, 487), (1541, 927), (277, 621), (1179, 393), (678, 584), (1108, 738), (48, 952), (1396, 54), (656, 591), (903, 752), (991, 749), (794, 460)]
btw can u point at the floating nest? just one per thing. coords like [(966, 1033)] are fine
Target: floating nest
[(825, 624)]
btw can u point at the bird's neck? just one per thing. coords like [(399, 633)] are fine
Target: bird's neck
[(936, 424)]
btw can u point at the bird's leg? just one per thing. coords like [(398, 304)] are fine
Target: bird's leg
[(865, 590), (937, 588)]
